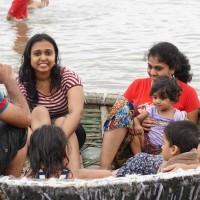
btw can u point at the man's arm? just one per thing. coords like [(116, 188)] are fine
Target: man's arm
[(17, 112)]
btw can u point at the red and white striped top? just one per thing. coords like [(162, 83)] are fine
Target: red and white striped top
[(56, 103)]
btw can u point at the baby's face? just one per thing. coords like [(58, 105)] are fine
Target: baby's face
[(162, 104)]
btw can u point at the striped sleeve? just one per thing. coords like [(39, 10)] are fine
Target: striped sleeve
[(70, 79)]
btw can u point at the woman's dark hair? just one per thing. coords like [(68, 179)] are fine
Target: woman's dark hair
[(166, 87), (27, 74), (48, 151), (170, 55), (184, 134)]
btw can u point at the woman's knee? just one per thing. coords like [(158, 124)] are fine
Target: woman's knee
[(40, 111)]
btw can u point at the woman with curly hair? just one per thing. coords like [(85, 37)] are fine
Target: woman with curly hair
[(54, 93), (162, 59)]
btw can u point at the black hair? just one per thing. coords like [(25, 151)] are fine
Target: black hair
[(27, 74), (166, 87), (170, 55), (184, 134), (48, 151)]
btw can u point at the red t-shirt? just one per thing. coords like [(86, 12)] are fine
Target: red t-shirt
[(138, 94), (18, 9), (3, 103)]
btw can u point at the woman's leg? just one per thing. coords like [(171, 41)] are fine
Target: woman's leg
[(73, 154), (116, 127), (111, 143), (40, 116)]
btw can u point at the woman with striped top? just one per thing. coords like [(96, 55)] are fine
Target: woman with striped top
[(54, 93)]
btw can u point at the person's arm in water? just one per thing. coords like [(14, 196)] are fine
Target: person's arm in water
[(17, 112), (45, 2)]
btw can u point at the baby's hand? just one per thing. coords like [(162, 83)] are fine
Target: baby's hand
[(138, 130)]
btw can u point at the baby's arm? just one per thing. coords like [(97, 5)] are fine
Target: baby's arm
[(138, 129)]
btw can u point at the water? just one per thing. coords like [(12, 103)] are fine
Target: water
[(104, 41)]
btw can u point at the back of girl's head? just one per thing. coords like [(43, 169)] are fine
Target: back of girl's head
[(26, 71), (48, 150), (170, 55), (184, 134), (166, 87)]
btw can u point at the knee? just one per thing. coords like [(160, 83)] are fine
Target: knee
[(40, 111)]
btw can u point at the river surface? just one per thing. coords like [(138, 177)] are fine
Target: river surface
[(104, 41)]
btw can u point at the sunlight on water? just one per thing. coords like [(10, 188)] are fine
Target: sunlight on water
[(105, 41)]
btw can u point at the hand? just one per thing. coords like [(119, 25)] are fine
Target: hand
[(138, 130), (45, 2), (177, 166), (148, 123), (6, 73)]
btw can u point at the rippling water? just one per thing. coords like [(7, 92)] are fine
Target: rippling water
[(104, 41)]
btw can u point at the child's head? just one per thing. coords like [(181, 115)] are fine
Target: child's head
[(48, 150), (166, 87), (179, 137)]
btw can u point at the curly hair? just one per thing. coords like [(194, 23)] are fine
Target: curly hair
[(48, 151), (27, 74), (166, 87), (170, 55)]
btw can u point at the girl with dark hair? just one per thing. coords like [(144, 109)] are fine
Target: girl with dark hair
[(47, 151), (48, 156), (165, 91), (163, 59), (54, 93)]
